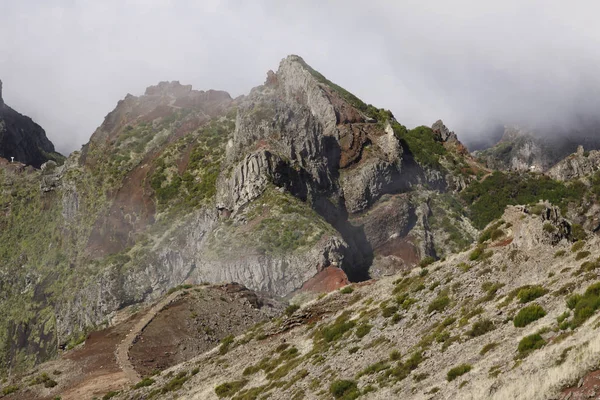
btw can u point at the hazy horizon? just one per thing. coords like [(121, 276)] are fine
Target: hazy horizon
[(67, 63)]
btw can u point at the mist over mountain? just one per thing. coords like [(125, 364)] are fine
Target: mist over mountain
[(473, 65)]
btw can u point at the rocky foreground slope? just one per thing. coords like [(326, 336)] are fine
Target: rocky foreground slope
[(512, 318)]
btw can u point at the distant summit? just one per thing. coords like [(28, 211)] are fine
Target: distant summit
[(23, 139)]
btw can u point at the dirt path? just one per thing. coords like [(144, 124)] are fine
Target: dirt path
[(122, 352)]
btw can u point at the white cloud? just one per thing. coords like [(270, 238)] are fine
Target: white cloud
[(471, 63)]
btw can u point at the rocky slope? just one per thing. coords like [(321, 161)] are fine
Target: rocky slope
[(519, 307), (23, 139), (294, 190), (296, 182)]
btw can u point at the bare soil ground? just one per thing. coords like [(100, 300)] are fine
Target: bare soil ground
[(180, 326)]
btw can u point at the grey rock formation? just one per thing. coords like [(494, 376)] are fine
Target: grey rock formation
[(445, 133), (577, 165)]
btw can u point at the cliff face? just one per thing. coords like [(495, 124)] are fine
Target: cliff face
[(272, 190), (23, 139)]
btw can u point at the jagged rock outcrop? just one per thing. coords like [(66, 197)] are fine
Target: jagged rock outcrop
[(445, 133), (22, 139), (518, 150), (577, 165)]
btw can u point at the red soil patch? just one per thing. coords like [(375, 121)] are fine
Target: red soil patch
[(402, 248), (327, 280), (589, 389), (503, 243)]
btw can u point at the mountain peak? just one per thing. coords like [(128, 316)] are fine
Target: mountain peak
[(173, 88), (22, 139)]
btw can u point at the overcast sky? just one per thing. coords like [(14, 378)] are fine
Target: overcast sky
[(471, 63)]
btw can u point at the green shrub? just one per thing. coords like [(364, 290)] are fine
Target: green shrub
[(228, 389), (578, 233), (560, 253), (577, 246), (45, 379), (581, 255), (584, 306), (389, 311), (110, 395), (549, 227), (225, 343), (489, 197), (344, 389), (291, 309), (337, 329), (481, 327), (531, 293), (528, 314), (395, 355), (176, 383), (374, 368), (530, 343), (144, 383), (363, 330), (562, 317), (488, 347), (10, 389), (458, 371), (464, 267), (426, 261), (438, 304), (422, 143), (479, 253), (347, 289)]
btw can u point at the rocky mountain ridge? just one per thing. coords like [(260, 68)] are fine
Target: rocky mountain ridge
[(296, 182), (296, 188), (522, 149)]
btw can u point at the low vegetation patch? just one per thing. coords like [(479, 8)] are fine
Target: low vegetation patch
[(344, 389), (488, 347), (489, 197), (347, 289), (530, 343), (439, 303), (528, 294), (479, 253), (577, 246), (426, 261), (458, 371), (363, 330), (334, 331), (584, 306), (44, 379), (144, 383), (226, 342), (528, 314), (291, 309), (228, 389), (481, 327)]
